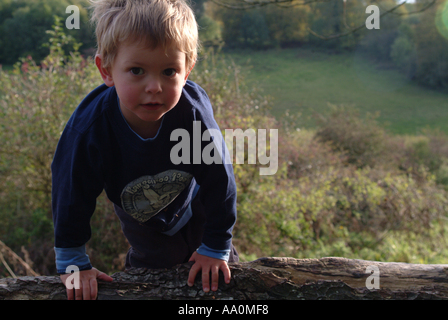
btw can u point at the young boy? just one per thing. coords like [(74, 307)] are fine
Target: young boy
[(121, 139)]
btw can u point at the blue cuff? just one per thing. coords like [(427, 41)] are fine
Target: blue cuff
[(72, 257), (212, 253)]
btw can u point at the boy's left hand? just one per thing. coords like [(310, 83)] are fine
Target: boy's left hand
[(207, 265)]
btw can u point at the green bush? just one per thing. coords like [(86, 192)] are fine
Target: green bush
[(361, 140), (428, 151), (342, 191), (36, 102)]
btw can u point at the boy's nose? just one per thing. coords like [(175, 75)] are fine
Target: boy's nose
[(153, 86)]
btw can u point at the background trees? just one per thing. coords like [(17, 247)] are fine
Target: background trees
[(416, 44), (429, 57), (23, 24)]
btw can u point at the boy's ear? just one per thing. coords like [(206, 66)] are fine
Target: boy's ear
[(105, 73), (188, 73)]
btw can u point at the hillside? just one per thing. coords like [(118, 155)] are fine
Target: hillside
[(306, 81)]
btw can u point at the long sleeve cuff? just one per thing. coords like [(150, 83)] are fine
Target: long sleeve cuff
[(212, 253), (66, 257)]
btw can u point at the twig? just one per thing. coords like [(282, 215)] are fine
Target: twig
[(7, 266), (20, 260), (411, 12)]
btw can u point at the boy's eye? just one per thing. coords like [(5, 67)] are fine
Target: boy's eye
[(137, 71), (169, 72)]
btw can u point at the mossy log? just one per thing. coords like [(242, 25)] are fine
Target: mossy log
[(262, 279)]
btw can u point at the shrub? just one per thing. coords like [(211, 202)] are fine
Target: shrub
[(428, 151), (36, 102), (340, 191), (361, 140)]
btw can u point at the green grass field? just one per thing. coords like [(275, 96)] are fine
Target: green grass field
[(306, 81)]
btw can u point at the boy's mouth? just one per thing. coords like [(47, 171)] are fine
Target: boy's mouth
[(152, 105)]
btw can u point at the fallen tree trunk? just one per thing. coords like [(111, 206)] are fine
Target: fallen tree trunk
[(265, 278)]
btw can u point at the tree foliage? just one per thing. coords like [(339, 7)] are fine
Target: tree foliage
[(23, 24), (431, 41)]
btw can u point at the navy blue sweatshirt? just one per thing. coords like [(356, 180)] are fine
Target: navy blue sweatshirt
[(99, 151)]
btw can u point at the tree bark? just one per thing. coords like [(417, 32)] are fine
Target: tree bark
[(265, 278)]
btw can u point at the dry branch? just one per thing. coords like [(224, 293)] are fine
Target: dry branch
[(12, 256), (265, 278)]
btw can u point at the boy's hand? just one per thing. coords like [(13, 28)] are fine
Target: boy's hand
[(88, 285), (208, 265)]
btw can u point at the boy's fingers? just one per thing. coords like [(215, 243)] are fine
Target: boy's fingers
[(192, 275), (86, 290), (88, 284), (70, 294), (226, 271), (193, 257), (215, 278), (93, 289), (206, 279), (78, 294), (94, 283), (104, 277)]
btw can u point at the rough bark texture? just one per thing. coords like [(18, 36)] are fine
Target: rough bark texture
[(265, 278)]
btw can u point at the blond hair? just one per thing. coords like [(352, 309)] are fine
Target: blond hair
[(155, 22)]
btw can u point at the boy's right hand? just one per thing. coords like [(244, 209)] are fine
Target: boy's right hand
[(88, 286)]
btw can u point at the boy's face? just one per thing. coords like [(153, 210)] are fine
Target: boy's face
[(148, 81)]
